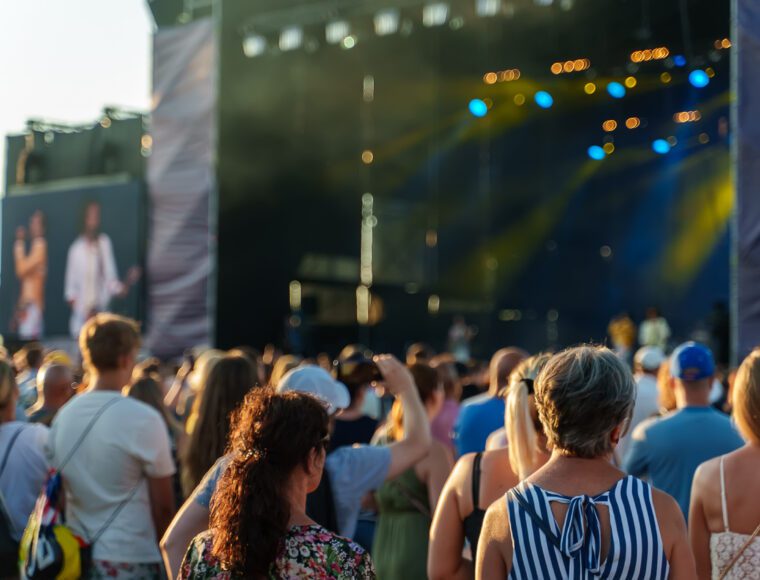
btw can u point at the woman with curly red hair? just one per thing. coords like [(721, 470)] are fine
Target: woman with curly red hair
[(259, 526)]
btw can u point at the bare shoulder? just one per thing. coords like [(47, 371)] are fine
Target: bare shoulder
[(669, 516), (496, 524), (707, 473)]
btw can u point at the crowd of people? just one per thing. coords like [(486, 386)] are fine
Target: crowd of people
[(238, 464)]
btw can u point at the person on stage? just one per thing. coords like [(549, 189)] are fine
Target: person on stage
[(92, 279), (31, 270)]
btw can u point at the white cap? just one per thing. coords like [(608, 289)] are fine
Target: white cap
[(318, 382), (649, 357)]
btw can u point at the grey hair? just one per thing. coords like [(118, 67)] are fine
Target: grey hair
[(582, 394)]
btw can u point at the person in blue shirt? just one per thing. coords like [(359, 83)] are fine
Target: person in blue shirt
[(482, 415), (669, 449)]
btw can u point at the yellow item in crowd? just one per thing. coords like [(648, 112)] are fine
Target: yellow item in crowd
[(622, 332)]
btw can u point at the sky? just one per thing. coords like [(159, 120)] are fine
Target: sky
[(64, 61)]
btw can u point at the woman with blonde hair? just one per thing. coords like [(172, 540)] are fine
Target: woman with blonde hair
[(724, 516), (479, 478)]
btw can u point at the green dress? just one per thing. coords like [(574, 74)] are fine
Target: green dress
[(401, 539)]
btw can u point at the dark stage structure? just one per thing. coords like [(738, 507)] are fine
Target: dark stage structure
[(361, 199)]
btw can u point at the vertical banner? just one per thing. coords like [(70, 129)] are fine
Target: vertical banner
[(180, 185), (747, 150)]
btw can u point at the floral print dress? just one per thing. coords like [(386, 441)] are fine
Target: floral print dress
[(306, 552)]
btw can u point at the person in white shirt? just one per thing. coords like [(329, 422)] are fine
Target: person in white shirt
[(646, 366), (118, 483), (654, 331), (91, 278)]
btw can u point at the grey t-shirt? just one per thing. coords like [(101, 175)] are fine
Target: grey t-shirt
[(353, 471)]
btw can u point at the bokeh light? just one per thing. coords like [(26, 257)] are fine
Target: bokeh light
[(666, 78), (616, 90), (519, 99), (543, 99), (660, 146), (699, 78), (609, 148), (630, 82), (679, 60), (589, 88), (478, 108), (596, 153), (632, 122)]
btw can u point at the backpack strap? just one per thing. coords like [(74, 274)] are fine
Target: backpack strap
[(113, 515), (86, 431), (10, 446)]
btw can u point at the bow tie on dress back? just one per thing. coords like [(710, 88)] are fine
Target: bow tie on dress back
[(582, 531)]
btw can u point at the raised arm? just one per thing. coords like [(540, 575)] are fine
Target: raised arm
[(417, 439)]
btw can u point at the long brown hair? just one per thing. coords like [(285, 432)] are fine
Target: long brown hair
[(272, 434), (228, 382), (428, 383)]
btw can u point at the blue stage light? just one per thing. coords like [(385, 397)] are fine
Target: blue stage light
[(596, 153), (679, 60), (616, 90), (698, 78), (478, 108), (543, 99), (660, 146)]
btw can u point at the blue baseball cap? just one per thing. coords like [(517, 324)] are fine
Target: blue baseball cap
[(692, 361)]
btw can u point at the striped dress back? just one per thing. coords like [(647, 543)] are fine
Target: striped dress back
[(542, 551)]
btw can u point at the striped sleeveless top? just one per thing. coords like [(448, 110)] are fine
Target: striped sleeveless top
[(541, 550)]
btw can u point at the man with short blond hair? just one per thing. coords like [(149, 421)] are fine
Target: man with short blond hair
[(118, 480)]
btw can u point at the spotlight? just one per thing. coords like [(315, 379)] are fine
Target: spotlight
[(543, 99), (478, 108), (349, 42), (487, 7), (336, 31), (254, 45), (386, 22), (660, 146), (291, 38), (699, 78), (616, 90), (596, 153), (435, 14)]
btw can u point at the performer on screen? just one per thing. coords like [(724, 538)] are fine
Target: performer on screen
[(31, 270), (92, 279)]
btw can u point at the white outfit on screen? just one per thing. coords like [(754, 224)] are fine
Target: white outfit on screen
[(91, 279)]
